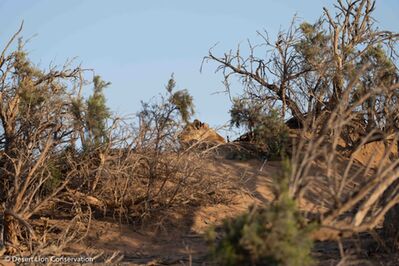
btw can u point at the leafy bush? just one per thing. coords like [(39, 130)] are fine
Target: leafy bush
[(277, 235), (273, 133), (264, 124), (54, 179)]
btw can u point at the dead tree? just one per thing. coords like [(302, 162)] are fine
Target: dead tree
[(351, 197), (338, 79), (36, 125), (307, 69)]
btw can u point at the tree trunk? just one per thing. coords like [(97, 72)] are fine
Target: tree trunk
[(10, 233), (391, 228)]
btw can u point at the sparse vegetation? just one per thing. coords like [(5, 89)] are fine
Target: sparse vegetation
[(323, 94), (63, 152), (264, 126), (338, 80), (272, 235)]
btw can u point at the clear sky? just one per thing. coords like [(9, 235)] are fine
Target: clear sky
[(137, 44)]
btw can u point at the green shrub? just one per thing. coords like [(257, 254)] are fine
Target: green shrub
[(54, 180), (272, 132), (276, 235), (264, 125)]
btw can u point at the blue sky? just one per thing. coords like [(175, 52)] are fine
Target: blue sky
[(137, 44)]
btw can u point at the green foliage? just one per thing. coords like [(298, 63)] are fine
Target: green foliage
[(313, 45), (381, 70), (77, 106), (274, 235), (31, 96), (97, 112), (181, 99), (161, 118), (57, 168), (184, 102), (265, 125), (272, 132), (246, 113), (23, 66), (54, 178)]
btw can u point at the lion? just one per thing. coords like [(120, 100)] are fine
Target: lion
[(198, 131)]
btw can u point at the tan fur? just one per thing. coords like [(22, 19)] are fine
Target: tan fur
[(198, 131)]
